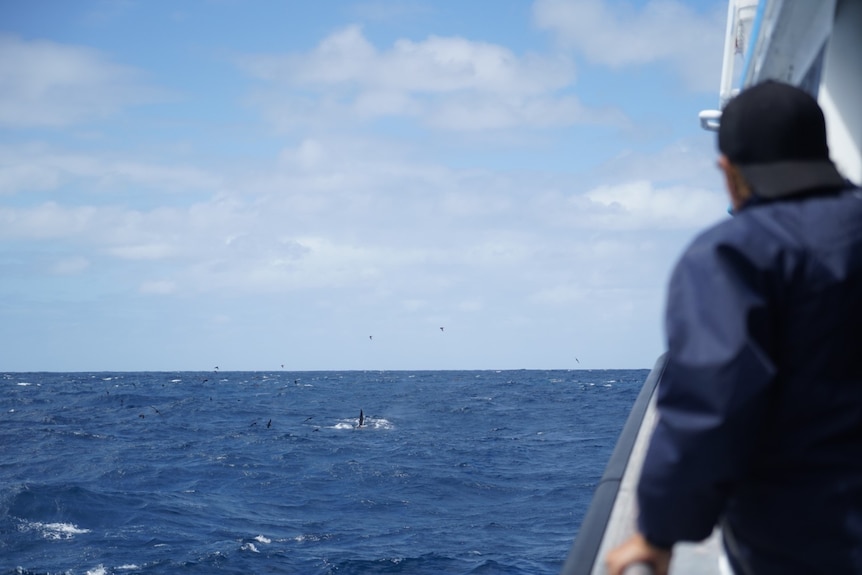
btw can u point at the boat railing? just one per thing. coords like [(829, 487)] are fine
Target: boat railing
[(610, 519), (612, 515)]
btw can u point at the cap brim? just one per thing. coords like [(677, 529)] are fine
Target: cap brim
[(778, 179)]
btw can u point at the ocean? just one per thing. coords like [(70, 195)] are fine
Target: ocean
[(452, 472)]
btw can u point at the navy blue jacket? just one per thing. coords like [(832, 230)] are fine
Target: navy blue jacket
[(760, 403)]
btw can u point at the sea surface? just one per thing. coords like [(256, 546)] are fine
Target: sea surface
[(453, 472)]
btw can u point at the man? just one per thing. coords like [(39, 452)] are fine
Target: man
[(760, 403)]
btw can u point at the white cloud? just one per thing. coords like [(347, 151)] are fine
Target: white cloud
[(156, 251), (36, 168), (70, 266), (436, 65), (562, 294), (46, 84), (46, 221), (473, 113), (447, 83), (310, 154), (616, 34), (412, 305), (687, 161), (158, 287), (642, 205), (323, 215), (471, 305)]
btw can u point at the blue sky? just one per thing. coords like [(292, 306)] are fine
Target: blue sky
[(323, 185)]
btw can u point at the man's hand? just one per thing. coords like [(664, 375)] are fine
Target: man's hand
[(637, 550)]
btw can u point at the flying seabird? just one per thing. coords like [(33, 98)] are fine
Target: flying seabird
[(441, 329)]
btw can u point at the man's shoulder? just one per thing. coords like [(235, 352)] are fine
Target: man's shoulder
[(754, 236), (739, 230), (769, 218), (768, 231)]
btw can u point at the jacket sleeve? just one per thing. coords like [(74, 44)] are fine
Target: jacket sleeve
[(712, 395)]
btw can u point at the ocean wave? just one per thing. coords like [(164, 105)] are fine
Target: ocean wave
[(486, 475), (52, 531)]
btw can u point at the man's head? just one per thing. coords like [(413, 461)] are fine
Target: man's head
[(774, 136)]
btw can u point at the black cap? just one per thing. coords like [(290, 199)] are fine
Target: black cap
[(776, 135)]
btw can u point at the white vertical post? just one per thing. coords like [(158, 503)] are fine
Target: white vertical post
[(841, 87)]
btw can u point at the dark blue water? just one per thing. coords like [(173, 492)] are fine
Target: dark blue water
[(454, 472)]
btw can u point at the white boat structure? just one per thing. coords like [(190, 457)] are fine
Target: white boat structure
[(813, 44)]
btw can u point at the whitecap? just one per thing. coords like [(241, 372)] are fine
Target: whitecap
[(370, 423), (56, 531), (249, 547), (310, 538), (129, 567), (380, 423), (100, 570), (262, 539)]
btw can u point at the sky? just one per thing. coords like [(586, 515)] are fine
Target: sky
[(350, 185)]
